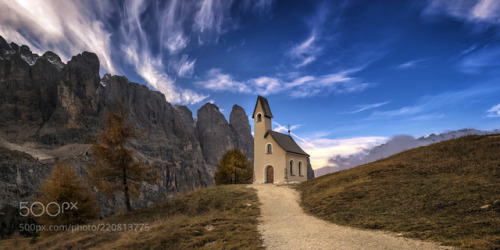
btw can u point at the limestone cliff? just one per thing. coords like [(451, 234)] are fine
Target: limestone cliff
[(50, 109)]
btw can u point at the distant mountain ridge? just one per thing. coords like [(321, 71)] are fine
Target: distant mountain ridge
[(51, 109), (395, 145)]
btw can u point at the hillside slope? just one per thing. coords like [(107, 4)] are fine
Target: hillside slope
[(220, 217), (447, 192)]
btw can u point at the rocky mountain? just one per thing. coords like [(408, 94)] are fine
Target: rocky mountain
[(395, 145), (49, 109)]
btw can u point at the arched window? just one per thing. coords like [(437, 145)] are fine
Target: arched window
[(291, 167), (300, 168), (269, 148), (259, 117)]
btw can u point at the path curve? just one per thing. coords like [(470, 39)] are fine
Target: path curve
[(284, 225)]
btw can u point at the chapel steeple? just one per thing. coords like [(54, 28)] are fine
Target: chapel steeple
[(262, 117)]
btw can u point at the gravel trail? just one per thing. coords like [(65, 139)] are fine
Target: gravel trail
[(284, 225)]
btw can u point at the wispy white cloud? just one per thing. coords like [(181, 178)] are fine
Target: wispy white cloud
[(211, 15), (481, 14), (487, 58), (494, 111), (152, 43), (474, 11), (304, 48), (412, 64), (179, 23), (149, 65), (65, 27), (470, 49), (338, 83), (292, 84), (282, 129), (306, 52), (184, 67), (361, 108), (429, 105), (176, 42), (218, 81), (487, 10), (408, 110), (151, 69), (266, 85), (480, 57)]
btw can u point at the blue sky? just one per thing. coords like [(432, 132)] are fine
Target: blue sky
[(345, 75)]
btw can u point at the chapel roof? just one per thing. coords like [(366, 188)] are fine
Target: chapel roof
[(286, 142), (265, 107)]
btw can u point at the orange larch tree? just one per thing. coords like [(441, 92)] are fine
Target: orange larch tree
[(66, 198), (115, 168)]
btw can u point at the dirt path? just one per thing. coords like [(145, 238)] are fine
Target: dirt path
[(284, 225)]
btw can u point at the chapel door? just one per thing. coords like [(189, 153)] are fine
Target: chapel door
[(270, 174)]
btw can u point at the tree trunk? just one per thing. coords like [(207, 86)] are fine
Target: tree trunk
[(125, 185)]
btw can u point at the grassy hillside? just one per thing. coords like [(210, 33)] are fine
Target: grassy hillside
[(447, 192), (213, 218)]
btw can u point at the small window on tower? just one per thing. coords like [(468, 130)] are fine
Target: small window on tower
[(269, 149), (259, 117)]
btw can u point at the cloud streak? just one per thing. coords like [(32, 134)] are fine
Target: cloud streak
[(494, 111), (473, 11), (308, 50), (216, 80), (65, 27), (297, 87), (411, 64), (433, 103), (148, 35), (361, 108), (482, 60), (282, 129), (149, 66)]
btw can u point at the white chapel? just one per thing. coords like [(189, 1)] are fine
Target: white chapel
[(277, 157)]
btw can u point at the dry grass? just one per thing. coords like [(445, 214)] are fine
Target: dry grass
[(14, 243), (433, 193), (221, 217)]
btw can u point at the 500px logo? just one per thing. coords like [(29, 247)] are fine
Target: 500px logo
[(37, 209)]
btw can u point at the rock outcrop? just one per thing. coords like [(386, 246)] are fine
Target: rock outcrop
[(18, 172), (238, 121), (215, 134), (50, 109)]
